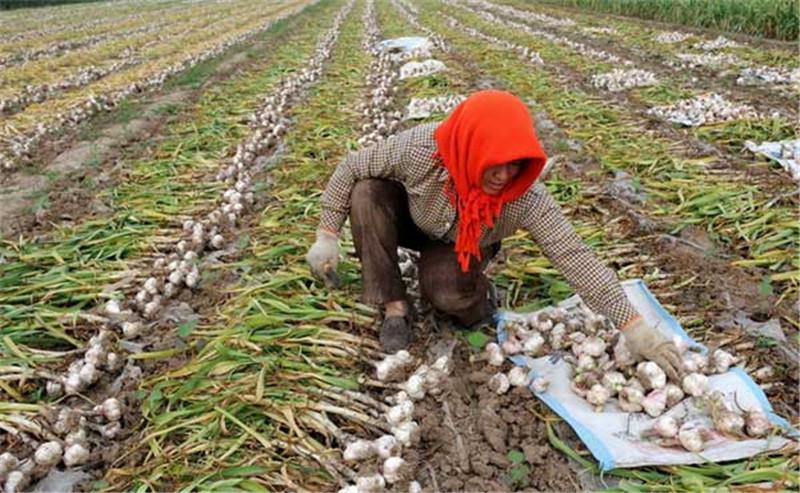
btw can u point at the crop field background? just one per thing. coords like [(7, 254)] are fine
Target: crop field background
[(162, 163)]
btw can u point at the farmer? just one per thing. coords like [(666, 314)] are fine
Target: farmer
[(453, 191)]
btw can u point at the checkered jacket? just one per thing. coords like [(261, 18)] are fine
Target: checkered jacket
[(407, 157)]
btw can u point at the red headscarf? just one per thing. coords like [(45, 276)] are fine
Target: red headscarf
[(488, 129)]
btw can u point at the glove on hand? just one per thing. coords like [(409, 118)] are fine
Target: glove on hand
[(649, 343), (323, 257)]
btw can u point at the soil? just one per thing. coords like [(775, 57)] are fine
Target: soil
[(468, 432)]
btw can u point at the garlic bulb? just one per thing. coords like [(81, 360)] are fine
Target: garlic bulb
[(406, 433), (131, 330), (16, 481), (613, 381), (729, 423), (111, 409), (586, 362), (393, 366), (518, 377), (695, 384), (651, 375), (76, 455), (48, 454), (593, 346), (495, 354), (666, 427), (674, 394), (757, 424), (630, 399), (8, 462), (386, 446), (534, 344), (694, 362), (112, 308), (511, 346), (400, 413), (540, 384), (499, 383), (691, 438), (88, 374), (655, 402), (370, 484), (598, 396), (414, 487), (415, 387), (721, 361), (395, 469), (358, 451)]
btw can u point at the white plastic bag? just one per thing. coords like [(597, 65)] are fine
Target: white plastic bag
[(615, 437)]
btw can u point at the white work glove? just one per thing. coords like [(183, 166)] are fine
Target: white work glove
[(323, 257), (646, 342)]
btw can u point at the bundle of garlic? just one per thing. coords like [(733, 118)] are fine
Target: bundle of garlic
[(525, 53), (702, 110), (716, 44), (421, 69), (692, 60), (671, 37), (426, 379), (600, 30), (423, 107), (767, 75), (620, 80), (380, 120)]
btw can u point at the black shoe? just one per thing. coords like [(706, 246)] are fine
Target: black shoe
[(396, 334)]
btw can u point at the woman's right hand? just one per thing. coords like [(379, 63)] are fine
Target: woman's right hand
[(323, 257)]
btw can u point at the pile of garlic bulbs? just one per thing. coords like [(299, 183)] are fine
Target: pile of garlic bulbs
[(716, 44), (702, 110), (421, 69), (423, 107), (671, 37), (605, 374), (692, 60), (768, 75), (424, 380), (620, 79), (600, 30), (510, 11)]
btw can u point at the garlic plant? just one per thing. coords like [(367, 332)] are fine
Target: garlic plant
[(483, 9), (510, 11), (524, 52), (20, 145), (702, 110), (620, 80), (131, 314), (387, 449)]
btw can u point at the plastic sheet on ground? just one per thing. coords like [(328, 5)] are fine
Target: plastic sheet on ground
[(785, 152), (613, 436)]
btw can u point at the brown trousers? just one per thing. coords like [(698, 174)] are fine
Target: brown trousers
[(381, 221)]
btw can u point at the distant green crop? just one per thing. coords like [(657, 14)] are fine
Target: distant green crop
[(776, 19)]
